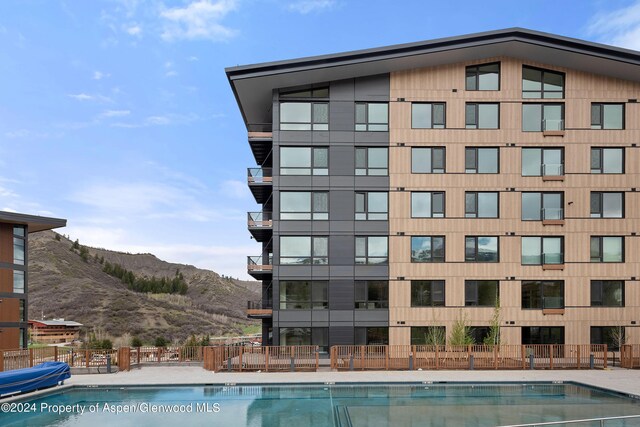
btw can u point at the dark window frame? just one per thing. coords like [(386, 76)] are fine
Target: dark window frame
[(601, 249), (366, 212), (475, 70), (542, 91), (311, 168), (432, 214), (476, 118), (367, 168), (542, 164), (602, 329), (365, 304), (541, 284), (600, 167), (433, 170), (310, 304), (542, 253), (601, 115), (474, 300), (432, 259), (366, 257), (433, 302), (600, 195), (475, 213), (475, 258), (542, 208), (368, 123), (312, 258), (415, 329), (312, 207), (434, 125), (542, 115), (598, 300), (313, 123), (475, 168), (19, 240)]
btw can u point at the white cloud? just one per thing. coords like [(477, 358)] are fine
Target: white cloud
[(114, 113), (160, 120), (199, 20), (134, 30), (99, 75), (620, 27), (193, 59), (171, 73), (308, 6), (86, 97)]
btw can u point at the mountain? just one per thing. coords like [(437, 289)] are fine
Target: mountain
[(63, 284)]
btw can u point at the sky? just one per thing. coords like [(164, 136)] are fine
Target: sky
[(117, 114)]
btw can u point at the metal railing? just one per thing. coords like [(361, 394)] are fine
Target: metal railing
[(260, 263), (260, 305), (259, 219), (586, 420), (557, 258), (550, 125), (552, 213), (552, 170), (259, 175)]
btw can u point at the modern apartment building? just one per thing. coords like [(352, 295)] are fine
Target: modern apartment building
[(14, 275), (403, 188)]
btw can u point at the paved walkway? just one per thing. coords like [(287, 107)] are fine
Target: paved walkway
[(621, 380)]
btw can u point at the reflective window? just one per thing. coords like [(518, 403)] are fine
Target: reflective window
[(607, 205), (428, 335), (482, 160), (612, 336), (541, 117), (607, 116), (481, 249), (541, 294), (304, 205), (607, 293), (428, 160), (427, 293), (371, 294), (542, 250), (371, 336), (372, 161), (372, 117), (481, 293), (428, 115), (482, 116), (427, 205), (295, 336), (304, 250), (483, 77), (372, 250), (607, 249), (542, 161), (18, 282), (607, 160), (481, 204), (304, 116), (544, 335), (542, 206), (372, 206), (479, 334), (304, 161), (23, 310), (304, 294), (427, 249), (18, 250), (539, 83)]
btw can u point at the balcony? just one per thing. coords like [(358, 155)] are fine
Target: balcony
[(553, 306), (260, 183), (553, 127), (261, 144), (553, 261), (552, 172), (552, 216), (259, 309), (260, 225), (260, 267)]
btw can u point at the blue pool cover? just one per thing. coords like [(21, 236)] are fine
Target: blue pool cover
[(47, 374)]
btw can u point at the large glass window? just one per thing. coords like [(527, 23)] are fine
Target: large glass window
[(23, 310), (304, 294), (481, 160), (542, 294), (18, 282), (542, 161), (427, 293), (372, 161), (607, 293), (304, 205), (481, 249), (607, 116), (304, 116), (371, 336), (428, 335), (372, 116), (479, 334), (539, 83), (428, 160), (607, 160), (427, 249), (427, 205), (304, 250), (483, 77), (607, 205), (372, 206), (428, 115), (304, 161), (540, 117), (607, 249), (19, 244), (482, 116), (612, 336), (542, 206), (543, 335), (481, 204), (371, 294), (481, 293), (542, 250), (372, 250), (305, 336)]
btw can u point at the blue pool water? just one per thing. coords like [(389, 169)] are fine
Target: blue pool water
[(321, 405)]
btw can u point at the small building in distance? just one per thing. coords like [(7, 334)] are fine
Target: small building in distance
[(54, 331)]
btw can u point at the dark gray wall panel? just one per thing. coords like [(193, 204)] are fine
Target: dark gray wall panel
[(342, 205), (338, 271), (341, 250), (294, 270), (372, 316), (340, 335), (293, 182), (294, 136), (342, 117), (372, 271), (372, 182), (341, 295), (371, 324), (342, 161), (319, 316), (294, 324), (372, 88), (374, 138), (372, 227), (294, 316), (341, 315), (342, 90)]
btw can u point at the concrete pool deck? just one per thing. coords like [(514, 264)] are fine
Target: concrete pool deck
[(619, 380)]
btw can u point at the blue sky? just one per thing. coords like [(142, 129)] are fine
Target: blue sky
[(117, 115)]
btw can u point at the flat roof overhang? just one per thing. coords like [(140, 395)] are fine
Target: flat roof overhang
[(253, 84), (34, 223)]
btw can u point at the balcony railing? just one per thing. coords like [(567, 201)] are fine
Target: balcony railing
[(259, 309), (553, 259), (552, 125), (259, 219), (552, 170), (260, 263), (259, 175), (552, 214)]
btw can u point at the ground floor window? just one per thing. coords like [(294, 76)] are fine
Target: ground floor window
[(428, 335), (305, 336), (371, 336), (543, 335), (612, 336), (479, 333)]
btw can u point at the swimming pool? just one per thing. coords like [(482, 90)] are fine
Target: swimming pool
[(300, 405)]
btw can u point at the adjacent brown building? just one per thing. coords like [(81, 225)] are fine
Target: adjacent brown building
[(406, 187), (14, 275)]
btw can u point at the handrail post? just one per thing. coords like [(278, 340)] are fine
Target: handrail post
[(386, 357), (362, 357), (522, 355), (578, 353), (55, 353), (606, 356), (31, 358), (437, 358), (414, 352), (86, 358), (495, 356), (317, 358), (551, 356), (266, 359)]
